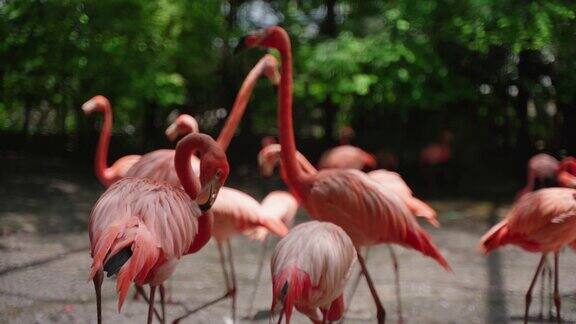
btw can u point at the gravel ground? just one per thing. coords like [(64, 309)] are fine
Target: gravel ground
[(44, 264)]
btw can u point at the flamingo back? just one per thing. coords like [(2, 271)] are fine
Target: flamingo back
[(368, 212), (311, 265), (159, 165), (153, 219), (346, 157), (277, 205)]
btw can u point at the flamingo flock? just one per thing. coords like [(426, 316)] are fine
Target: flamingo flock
[(164, 205)]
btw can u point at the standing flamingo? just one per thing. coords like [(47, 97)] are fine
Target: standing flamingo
[(542, 170), (368, 212), (107, 175), (310, 268), (140, 228), (269, 157), (234, 211), (566, 174), (541, 221), (435, 156)]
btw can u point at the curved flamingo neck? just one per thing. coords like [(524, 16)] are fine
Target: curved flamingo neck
[(240, 103), (182, 162), (285, 124), (104, 173)]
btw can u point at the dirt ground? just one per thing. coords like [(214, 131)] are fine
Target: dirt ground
[(44, 263)]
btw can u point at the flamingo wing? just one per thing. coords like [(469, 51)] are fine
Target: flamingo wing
[(367, 211), (159, 165), (547, 216)]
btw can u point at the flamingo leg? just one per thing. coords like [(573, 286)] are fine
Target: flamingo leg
[(232, 291), (136, 294), (258, 275), (556, 292), (380, 311), (98, 278), (214, 301), (140, 291), (354, 287), (550, 315), (281, 316), (151, 305), (163, 303), (397, 282), (529, 292), (542, 291), (324, 316)]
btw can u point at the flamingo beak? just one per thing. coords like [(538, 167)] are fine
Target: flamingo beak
[(172, 132), (209, 193)]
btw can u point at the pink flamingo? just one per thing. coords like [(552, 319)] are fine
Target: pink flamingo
[(279, 205), (540, 221), (310, 268), (436, 155), (368, 212), (269, 157), (107, 175), (140, 228), (542, 170), (234, 211), (347, 157), (566, 174)]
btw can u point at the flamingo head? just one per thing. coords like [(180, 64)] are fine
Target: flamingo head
[(184, 124), (271, 37), (95, 104), (214, 170), (271, 69), (268, 158)]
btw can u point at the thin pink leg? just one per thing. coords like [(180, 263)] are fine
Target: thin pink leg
[(380, 311), (98, 278), (232, 291), (397, 281), (141, 292), (151, 305), (257, 277), (529, 292), (556, 291), (163, 303)]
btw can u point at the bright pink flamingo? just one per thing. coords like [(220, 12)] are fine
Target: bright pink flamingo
[(368, 212), (542, 170), (310, 268), (234, 211), (566, 174), (107, 175), (541, 221), (140, 228)]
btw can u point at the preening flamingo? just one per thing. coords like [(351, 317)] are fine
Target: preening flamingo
[(541, 221), (566, 174), (107, 175), (310, 268), (368, 212), (542, 170), (234, 211), (140, 228)]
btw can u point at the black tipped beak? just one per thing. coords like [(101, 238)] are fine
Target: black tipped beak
[(240, 46), (205, 207)]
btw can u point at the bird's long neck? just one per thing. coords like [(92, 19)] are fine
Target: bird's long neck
[(100, 161), (184, 152), (240, 104), (287, 140)]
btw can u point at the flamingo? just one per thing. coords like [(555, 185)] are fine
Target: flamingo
[(566, 174), (349, 198), (234, 211), (436, 155), (107, 175), (139, 228), (269, 157), (310, 267), (541, 221), (542, 170), (346, 156)]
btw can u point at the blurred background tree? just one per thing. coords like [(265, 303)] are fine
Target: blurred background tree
[(499, 74)]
